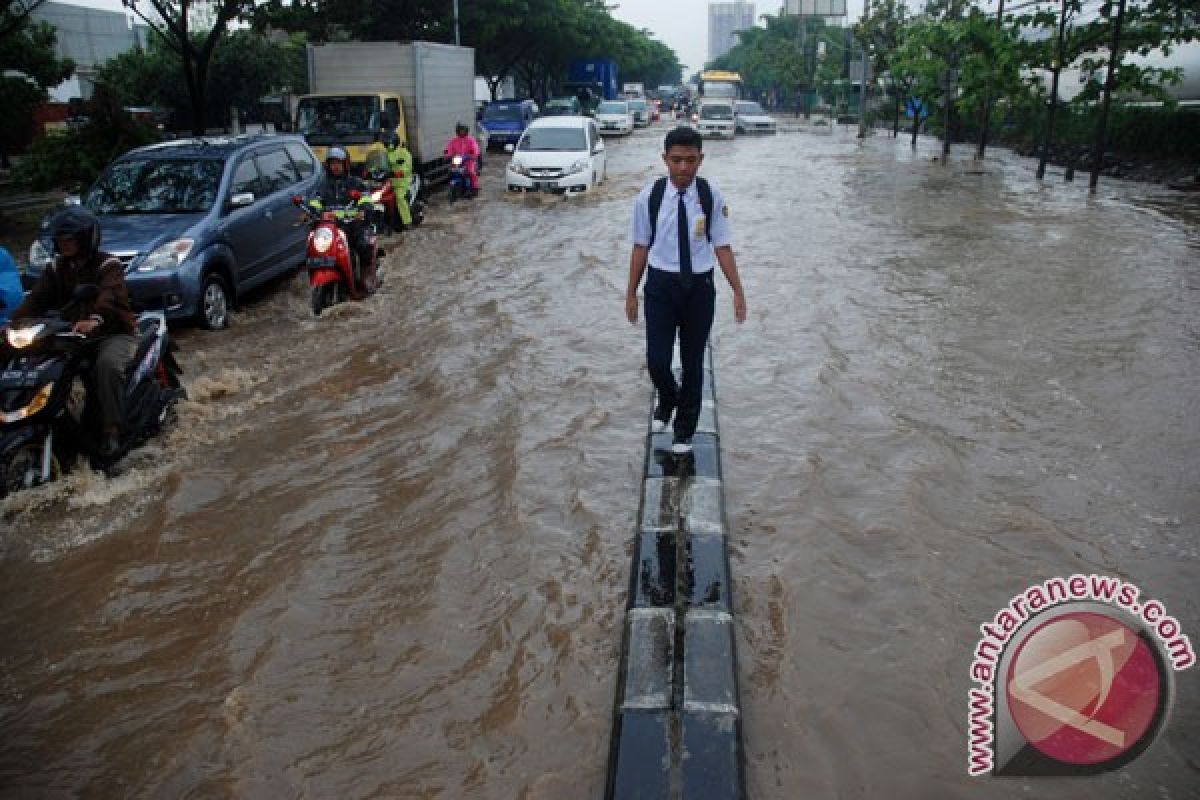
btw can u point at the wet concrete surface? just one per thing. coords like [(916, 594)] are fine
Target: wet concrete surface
[(385, 553)]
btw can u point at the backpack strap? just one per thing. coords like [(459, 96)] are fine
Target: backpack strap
[(706, 204), (656, 199)]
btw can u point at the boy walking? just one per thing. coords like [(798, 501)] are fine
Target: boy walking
[(681, 230)]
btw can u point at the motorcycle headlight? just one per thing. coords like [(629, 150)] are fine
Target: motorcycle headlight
[(458, 161), (169, 256), (377, 196), (578, 166), (322, 239), (23, 337)]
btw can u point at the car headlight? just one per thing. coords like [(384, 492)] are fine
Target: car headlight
[(38, 254), (322, 239), (23, 337), (578, 166), (519, 168), (169, 256)]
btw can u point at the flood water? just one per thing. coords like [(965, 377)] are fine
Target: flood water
[(386, 553)]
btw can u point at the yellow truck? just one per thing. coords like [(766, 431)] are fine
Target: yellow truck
[(418, 90)]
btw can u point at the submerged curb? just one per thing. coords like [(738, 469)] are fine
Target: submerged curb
[(677, 720)]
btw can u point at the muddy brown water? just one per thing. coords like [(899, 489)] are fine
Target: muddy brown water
[(385, 553)]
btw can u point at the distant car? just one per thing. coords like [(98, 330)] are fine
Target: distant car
[(750, 118), (715, 118), (563, 106), (558, 154), (641, 112), (198, 222), (505, 120), (614, 116)]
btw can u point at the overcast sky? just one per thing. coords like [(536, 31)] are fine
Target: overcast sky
[(682, 25)]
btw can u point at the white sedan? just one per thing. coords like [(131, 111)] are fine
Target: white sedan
[(614, 116), (751, 118), (562, 155)]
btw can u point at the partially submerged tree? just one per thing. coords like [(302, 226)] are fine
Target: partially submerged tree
[(173, 21), (31, 68)]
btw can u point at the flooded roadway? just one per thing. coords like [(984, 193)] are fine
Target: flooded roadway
[(385, 553)]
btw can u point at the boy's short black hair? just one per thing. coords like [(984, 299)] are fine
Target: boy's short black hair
[(683, 136)]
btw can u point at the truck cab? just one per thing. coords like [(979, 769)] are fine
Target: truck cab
[(349, 120)]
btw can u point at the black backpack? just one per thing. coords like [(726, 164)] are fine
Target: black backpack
[(656, 199)]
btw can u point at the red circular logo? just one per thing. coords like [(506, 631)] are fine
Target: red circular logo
[(1084, 688)]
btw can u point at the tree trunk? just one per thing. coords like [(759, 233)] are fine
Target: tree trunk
[(1048, 140), (949, 104), (896, 120), (1114, 58), (987, 100), (916, 126)]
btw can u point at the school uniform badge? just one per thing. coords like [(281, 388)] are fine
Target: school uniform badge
[(725, 211)]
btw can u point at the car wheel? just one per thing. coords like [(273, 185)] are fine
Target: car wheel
[(214, 303)]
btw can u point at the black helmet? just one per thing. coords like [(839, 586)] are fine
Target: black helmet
[(79, 224), (390, 139), (461, 128)]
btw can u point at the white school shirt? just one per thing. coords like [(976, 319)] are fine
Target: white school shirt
[(664, 254)]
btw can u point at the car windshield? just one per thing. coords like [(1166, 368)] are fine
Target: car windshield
[(750, 108), (612, 108), (502, 113), (156, 186), (563, 103), (716, 112), (637, 105), (333, 116), (568, 139)]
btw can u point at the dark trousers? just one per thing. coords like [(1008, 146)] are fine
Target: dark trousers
[(670, 309), (113, 354)]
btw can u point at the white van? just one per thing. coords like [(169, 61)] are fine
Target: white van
[(558, 154), (715, 118)]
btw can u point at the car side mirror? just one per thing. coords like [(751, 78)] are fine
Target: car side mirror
[(508, 148), (242, 199)]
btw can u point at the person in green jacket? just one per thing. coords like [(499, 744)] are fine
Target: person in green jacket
[(401, 162)]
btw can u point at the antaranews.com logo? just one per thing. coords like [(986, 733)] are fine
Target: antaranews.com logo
[(1072, 679)]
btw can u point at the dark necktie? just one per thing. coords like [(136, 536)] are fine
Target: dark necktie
[(685, 247)]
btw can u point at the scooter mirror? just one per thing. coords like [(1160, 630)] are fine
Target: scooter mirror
[(355, 194), (297, 200)]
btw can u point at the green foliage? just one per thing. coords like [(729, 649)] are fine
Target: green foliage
[(29, 51), (534, 40), (76, 157), (246, 66), (784, 58)]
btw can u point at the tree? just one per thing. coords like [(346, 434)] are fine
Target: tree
[(30, 69), (14, 14), (172, 21)]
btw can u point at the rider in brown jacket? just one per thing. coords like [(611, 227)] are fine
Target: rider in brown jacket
[(108, 317)]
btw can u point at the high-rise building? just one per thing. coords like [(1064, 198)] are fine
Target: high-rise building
[(724, 19)]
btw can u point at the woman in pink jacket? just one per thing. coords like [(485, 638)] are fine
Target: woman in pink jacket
[(464, 144)]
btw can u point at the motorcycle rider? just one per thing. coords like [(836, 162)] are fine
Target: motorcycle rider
[(108, 318), (336, 189), (464, 144), (400, 162)]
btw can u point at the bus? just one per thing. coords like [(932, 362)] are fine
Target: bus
[(716, 83)]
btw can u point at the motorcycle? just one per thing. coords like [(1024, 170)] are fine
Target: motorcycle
[(460, 178), (334, 272), (39, 362), (383, 217)]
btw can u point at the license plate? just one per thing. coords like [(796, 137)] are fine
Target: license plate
[(18, 378)]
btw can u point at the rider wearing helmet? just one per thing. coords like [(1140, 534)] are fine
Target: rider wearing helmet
[(464, 144), (336, 189), (108, 317), (400, 162)]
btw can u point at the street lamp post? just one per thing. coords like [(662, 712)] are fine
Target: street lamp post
[(457, 41)]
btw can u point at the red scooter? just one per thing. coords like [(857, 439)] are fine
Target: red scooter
[(334, 272)]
